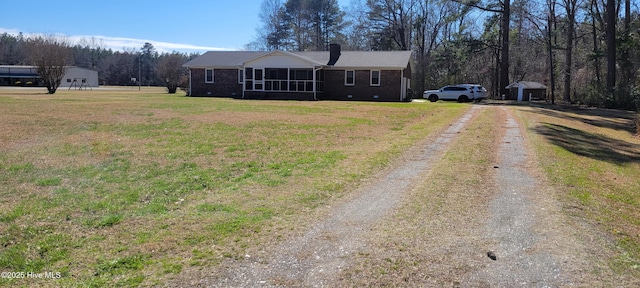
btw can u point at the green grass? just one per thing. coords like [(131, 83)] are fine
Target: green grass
[(120, 188), (593, 157)]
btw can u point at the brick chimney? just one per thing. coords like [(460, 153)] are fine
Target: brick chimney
[(334, 54)]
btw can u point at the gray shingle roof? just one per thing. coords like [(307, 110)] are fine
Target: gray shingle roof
[(348, 59), (527, 85), (371, 59), (222, 59)]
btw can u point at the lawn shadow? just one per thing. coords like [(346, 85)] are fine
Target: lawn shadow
[(604, 118), (590, 145)]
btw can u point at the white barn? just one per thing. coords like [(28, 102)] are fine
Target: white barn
[(77, 74)]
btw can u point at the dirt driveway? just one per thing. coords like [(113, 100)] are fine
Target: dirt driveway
[(515, 235)]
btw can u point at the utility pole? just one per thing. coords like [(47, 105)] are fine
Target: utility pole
[(139, 71)]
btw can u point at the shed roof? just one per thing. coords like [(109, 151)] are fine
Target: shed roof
[(527, 85), (348, 59)]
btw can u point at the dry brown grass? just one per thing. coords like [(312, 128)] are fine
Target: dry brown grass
[(432, 239), (120, 187)]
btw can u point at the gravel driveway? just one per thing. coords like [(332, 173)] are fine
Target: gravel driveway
[(529, 241), (513, 223)]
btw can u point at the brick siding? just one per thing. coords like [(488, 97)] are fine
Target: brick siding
[(389, 89), (225, 83)]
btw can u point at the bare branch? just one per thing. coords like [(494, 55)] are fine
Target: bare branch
[(476, 4)]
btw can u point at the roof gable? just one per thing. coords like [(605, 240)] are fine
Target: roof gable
[(281, 59)]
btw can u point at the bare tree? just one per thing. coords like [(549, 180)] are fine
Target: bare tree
[(357, 33), (90, 50), (51, 56), (170, 70), (392, 22), (430, 19), (312, 24), (551, 24), (272, 34), (503, 8), (570, 7)]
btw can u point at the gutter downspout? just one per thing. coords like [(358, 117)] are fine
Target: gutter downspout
[(190, 91)]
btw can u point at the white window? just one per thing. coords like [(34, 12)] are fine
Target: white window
[(240, 76), (349, 77), (375, 77), (208, 76)]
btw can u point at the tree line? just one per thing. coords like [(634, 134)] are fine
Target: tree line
[(143, 66), (581, 49)]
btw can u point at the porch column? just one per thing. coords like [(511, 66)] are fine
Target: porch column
[(315, 93)]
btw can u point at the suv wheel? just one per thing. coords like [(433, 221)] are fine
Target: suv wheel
[(463, 98), (433, 98)]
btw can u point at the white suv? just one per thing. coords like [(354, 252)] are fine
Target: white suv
[(479, 92), (460, 93)]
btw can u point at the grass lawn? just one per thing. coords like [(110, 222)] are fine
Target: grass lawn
[(126, 188), (592, 156)]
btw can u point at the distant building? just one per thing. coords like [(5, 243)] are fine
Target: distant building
[(27, 76), (526, 91)]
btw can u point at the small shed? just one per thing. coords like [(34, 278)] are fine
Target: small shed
[(526, 91)]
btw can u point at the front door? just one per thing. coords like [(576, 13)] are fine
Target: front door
[(258, 77)]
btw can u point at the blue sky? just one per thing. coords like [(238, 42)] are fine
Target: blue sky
[(186, 26)]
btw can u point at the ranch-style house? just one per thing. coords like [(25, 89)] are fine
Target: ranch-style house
[(325, 75)]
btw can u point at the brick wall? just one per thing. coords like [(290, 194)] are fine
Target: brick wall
[(389, 89), (225, 83)]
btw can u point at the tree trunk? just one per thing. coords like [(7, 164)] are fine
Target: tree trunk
[(611, 45), (570, 7), (552, 65), (566, 95), (596, 49), (504, 34)]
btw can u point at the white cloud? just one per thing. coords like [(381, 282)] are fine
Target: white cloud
[(120, 43), (125, 44)]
